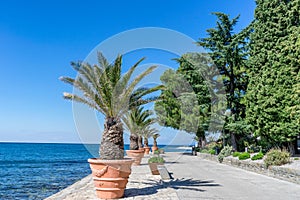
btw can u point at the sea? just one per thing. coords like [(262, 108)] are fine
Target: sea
[(38, 170)]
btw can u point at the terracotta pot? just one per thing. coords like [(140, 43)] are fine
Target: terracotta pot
[(153, 168), (142, 148), (110, 177), (147, 150), (154, 148), (136, 155)]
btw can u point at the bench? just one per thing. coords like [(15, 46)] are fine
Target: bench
[(164, 174)]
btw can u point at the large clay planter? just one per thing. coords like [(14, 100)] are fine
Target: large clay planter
[(110, 177), (147, 150), (153, 168), (154, 148), (136, 155)]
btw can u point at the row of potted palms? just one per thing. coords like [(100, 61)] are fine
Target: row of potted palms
[(107, 91)]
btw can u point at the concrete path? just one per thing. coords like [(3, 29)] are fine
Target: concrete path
[(195, 178), (141, 185)]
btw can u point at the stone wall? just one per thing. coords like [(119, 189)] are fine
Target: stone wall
[(291, 175)]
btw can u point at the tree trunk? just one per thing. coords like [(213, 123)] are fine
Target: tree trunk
[(201, 142), (291, 148), (112, 143), (146, 143), (140, 142), (233, 141), (154, 143), (133, 142)]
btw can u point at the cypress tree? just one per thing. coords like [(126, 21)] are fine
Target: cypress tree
[(273, 90)]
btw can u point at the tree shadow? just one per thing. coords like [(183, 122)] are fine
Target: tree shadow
[(153, 186)]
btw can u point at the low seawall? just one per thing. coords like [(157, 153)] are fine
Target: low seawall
[(279, 172)]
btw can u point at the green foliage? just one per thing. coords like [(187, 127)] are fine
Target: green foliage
[(103, 88), (236, 154), (197, 149), (211, 145), (296, 158), (272, 97), (226, 151), (212, 151), (137, 119), (156, 159), (277, 157), (185, 104), (258, 156), (204, 151), (244, 156), (229, 52), (156, 152)]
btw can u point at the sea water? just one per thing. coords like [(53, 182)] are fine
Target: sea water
[(36, 171)]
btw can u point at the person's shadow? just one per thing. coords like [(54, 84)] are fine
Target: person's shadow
[(154, 186)]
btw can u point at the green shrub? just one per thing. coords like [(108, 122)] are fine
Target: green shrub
[(156, 152), (277, 157), (212, 151), (156, 159), (296, 158), (236, 154), (211, 145), (250, 151), (244, 156), (226, 151), (204, 151), (258, 156)]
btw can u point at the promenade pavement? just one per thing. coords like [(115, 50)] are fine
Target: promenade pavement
[(141, 185), (193, 178)]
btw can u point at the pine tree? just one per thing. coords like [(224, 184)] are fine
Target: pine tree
[(272, 98), (229, 53)]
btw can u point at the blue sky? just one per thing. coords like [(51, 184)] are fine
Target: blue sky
[(38, 39)]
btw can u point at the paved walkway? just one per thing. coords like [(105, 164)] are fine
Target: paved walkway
[(141, 185), (194, 178)]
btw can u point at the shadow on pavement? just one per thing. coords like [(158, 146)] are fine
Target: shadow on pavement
[(185, 184)]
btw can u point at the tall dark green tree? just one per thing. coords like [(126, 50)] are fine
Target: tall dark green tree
[(186, 102), (273, 91), (229, 53)]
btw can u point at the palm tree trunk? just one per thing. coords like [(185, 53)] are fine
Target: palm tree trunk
[(154, 143), (146, 143), (112, 143), (140, 142), (133, 142)]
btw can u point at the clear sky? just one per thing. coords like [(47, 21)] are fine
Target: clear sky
[(38, 39)]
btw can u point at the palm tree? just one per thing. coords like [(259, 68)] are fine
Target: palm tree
[(105, 90), (155, 136), (147, 133), (135, 121)]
